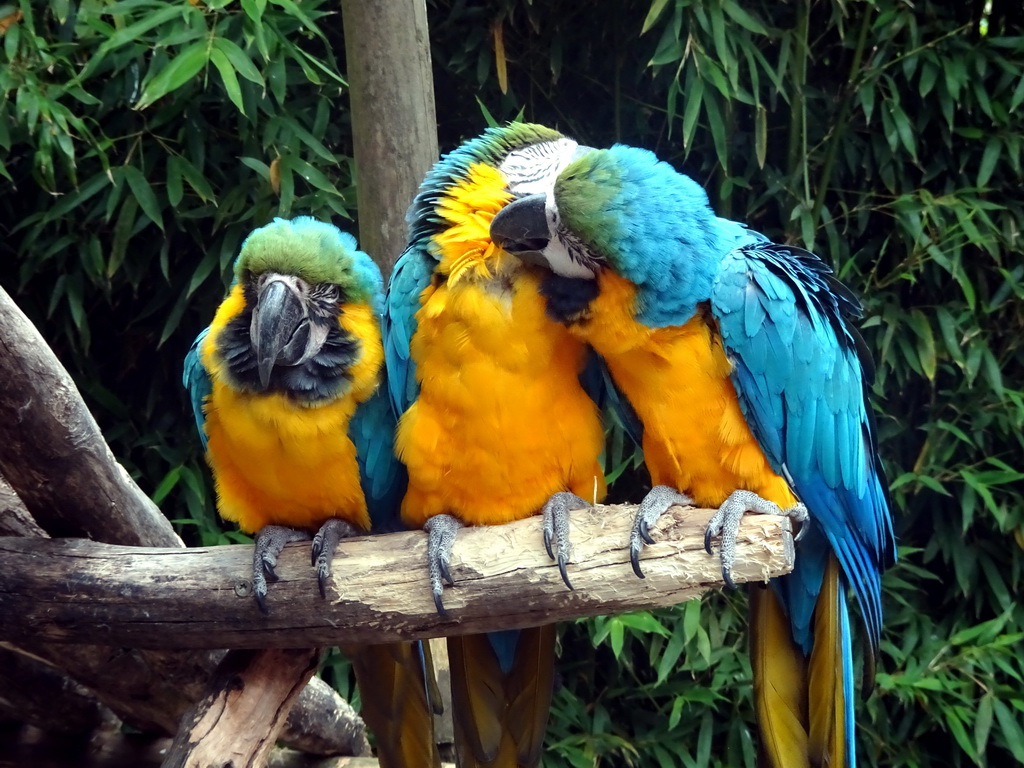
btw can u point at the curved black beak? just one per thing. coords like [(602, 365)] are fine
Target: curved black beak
[(521, 227), (279, 329)]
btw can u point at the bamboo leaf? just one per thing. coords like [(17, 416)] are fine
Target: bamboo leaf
[(228, 77), (144, 194), (241, 63), (181, 70), (744, 18), (761, 135), (653, 14), (989, 159)]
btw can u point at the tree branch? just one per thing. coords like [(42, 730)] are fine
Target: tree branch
[(52, 452), (76, 591), (250, 693), (14, 518)]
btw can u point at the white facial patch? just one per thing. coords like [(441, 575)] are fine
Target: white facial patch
[(534, 168), (557, 252)]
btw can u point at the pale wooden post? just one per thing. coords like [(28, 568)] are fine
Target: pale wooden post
[(394, 124)]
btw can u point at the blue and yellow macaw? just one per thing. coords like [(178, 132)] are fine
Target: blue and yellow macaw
[(740, 360), (286, 386), (495, 425)]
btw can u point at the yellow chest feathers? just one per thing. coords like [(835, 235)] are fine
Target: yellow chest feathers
[(276, 461), (677, 379), (501, 421)]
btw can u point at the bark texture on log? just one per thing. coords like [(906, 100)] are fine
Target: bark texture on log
[(236, 722), (394, 125), (81, 591), (30, 746), (52, 452), (15, 520), (148, 690), (323, 723), (36, 693)]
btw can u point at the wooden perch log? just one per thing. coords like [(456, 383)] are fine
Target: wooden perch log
[(81, 591), (52, 452)]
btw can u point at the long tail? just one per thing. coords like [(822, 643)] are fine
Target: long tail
[(804, 703), (501, 695), (393, 692)]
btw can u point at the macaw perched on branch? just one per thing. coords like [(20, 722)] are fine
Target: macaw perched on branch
[(285, 389), (495, 425), (740, 360)]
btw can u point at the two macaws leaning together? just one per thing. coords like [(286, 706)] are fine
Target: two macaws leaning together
[(736, 356)]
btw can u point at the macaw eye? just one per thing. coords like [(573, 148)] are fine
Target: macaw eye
[(329, 292)]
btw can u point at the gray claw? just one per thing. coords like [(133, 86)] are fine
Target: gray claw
[(726, 523), (270, 540), (441, 530), (556, 527), (324, 544), (653, 506)]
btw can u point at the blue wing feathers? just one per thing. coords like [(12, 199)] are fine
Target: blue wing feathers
[(197, 381), (799, 371), (382, 476)]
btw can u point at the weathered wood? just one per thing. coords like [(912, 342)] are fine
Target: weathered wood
[(323, 723), (394, 126), (31, 746), (148, 690), (36, 693), (15, 520), (52, 452), (236, 722), (82, 591), (151, 690)]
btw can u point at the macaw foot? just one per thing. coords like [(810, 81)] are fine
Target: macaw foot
[(556, 527), (269, 542), (326, 539), (441, 530), (726, 523), (653, 506)]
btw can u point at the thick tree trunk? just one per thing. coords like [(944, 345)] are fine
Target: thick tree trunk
[(394, 126), (81, 591)]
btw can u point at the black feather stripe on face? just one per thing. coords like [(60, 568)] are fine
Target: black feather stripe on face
[(322, 377)]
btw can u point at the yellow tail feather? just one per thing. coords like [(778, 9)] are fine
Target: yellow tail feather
[(391, 686), (799, 701), (500, 719), (825, 679), (780, 691)]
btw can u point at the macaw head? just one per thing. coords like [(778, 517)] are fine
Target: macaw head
[(456, 201), (295, 278), (622, 210)]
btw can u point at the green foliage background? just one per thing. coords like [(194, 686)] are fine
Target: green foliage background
[(142, 139)]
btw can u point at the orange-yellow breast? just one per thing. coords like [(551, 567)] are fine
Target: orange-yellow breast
[(677, 380), (276, 462), (501, 421)]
